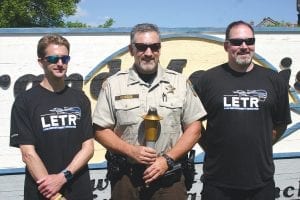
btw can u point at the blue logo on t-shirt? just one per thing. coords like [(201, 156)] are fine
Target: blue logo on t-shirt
[(61, 118), (244, 100)]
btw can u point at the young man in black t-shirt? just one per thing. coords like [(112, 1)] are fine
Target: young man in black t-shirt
[(51, 124)]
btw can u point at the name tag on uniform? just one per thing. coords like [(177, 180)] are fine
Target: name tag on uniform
[(127, 96)]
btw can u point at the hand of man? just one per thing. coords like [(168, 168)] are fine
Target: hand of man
[(156, 170), (51, 184), (144, 155)]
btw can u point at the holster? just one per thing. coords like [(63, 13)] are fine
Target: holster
[(117, 166), (171, 176), (188, 169)]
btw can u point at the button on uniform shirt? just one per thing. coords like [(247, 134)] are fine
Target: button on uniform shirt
[(125, 98)]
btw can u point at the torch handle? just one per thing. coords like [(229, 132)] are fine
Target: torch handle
[(150, 144)]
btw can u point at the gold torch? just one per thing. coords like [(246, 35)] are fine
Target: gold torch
[(151, 122)]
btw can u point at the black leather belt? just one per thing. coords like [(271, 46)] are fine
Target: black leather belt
[(135, 173)]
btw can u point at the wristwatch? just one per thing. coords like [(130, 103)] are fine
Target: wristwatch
[(170, 161), (68, 175)]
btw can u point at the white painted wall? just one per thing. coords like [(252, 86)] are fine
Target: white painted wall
[(18, 57)]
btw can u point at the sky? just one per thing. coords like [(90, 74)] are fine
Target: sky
[(184, 13)]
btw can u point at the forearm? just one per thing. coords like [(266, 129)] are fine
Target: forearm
[(112, 142), (33, 162), (278, 132), (187, 141), (82, 157)]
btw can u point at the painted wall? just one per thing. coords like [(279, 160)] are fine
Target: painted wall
[(287, 183), (92, 49)]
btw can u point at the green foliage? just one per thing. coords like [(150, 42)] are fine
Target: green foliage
[(35, 13), (280, 24), (284, 24), (76, 24), (41, 13), (107, 24)]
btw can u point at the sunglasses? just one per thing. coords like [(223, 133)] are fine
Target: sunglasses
[(143, 47), (55, 59), (239, 42)]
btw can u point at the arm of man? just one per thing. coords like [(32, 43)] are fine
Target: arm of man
[(82, 157), (186, 142), (111, 141), (50, 184), (283, 115), (202, 141), (34, 164), (278, 132)]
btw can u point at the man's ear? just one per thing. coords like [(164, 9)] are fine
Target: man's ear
[(40, 61), (226, 46), (130, 47)]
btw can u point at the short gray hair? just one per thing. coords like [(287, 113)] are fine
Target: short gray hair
[(144, 27)]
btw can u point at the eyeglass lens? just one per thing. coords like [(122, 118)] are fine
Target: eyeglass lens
[(239, 42), (144, 47), (55, 59)]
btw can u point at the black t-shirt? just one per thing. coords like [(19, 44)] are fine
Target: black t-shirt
[(56, 124), (242, 111)]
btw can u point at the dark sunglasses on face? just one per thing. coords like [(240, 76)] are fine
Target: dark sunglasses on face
[(55, 59), (143, 47), (239, 42)]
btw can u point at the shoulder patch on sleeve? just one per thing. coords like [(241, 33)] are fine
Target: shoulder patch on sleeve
[(192, 87), (104, 84)]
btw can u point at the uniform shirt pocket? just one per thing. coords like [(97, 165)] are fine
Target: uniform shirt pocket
[(127, 111), (171, 129), (172, 111)]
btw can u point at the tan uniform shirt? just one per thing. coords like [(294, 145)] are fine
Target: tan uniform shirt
[(124, 99)]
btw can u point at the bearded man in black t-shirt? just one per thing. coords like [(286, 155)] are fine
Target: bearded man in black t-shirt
[(247, 111)]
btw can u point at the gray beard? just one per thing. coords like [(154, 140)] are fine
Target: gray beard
[(243, 62)]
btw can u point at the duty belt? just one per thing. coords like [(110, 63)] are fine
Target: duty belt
[(135, 173)]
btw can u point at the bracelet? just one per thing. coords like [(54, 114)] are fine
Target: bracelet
[(68, 175), (170, 161)]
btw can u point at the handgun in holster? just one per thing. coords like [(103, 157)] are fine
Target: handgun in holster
[(188, 170), (171, 176), (116, 165)]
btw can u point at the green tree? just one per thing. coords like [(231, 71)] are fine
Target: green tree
[(35, 13), (284, 24), (76, 24), (108, 23)]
